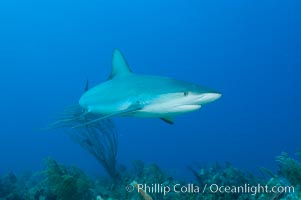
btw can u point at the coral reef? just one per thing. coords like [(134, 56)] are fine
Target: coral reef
[(66, 183), (224, 175), (59, 182), (142, 192), (8, 187), (289, 168), (288, 176)]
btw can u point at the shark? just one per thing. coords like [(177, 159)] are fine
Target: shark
[(130, 94)]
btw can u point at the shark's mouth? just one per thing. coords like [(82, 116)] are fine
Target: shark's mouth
[(187, 108)]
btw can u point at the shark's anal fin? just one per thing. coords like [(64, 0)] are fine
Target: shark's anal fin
[(169, 120), (130, 109)]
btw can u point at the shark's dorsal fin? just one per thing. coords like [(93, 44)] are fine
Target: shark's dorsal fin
[(119, 65)]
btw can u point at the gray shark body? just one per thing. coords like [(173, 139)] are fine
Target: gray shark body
[(128, 94)]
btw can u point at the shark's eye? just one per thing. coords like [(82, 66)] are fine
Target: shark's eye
[(185, 93)]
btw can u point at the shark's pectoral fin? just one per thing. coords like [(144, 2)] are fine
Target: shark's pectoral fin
[(133, 108), (169, 120), (130, 109)]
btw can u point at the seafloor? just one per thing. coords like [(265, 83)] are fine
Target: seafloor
[(145, 181), (59, 182)]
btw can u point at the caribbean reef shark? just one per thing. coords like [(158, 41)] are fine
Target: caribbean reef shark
[(129, 94)]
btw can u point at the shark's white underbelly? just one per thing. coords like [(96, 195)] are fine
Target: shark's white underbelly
[(160, 111)]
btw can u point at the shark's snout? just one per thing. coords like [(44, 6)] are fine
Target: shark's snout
[(209, 97)]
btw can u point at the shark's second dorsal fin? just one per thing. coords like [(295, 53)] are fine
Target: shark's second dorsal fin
[(119, 65), (87, 86)]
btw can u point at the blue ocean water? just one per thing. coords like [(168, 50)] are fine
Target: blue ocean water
[(250, 51)]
